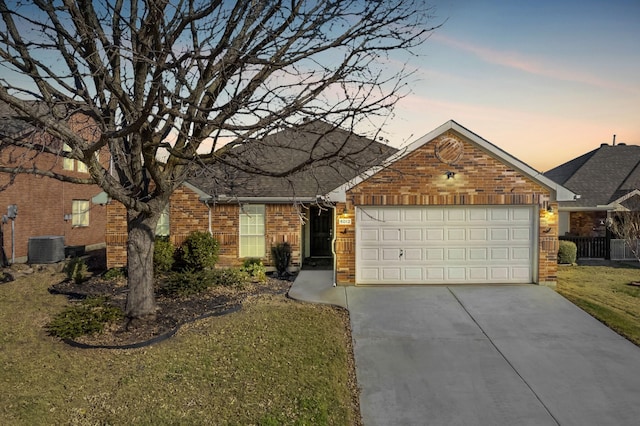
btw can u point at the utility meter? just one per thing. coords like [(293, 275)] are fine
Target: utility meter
[(12, 211)]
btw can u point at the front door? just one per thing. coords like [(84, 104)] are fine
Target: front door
[(320, 223)]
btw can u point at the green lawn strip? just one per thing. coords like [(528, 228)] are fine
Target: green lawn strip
[(274, 362), (605, 293)]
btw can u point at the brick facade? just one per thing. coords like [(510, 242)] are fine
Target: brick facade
[(45, 204), (419, 179), (187, 214), (588, 224)]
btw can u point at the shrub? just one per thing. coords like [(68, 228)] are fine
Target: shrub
[(255, 268), (281, 254), (163, 255), (114, 273), (567, 252), (199, 251), (230, 277), (76, 270), (185, 283), (88, 317)]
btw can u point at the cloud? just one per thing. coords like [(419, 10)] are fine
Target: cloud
[(529, 65)]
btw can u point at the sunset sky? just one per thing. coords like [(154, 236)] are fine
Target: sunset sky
[(545, 81)]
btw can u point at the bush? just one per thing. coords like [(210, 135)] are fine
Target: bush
[(281, 254), (185, 283), (114, 273), (88, 317), (230, 277), (567, 252), (76, 270), (255, 268), (188, 282), (199, 251), (163, 255)]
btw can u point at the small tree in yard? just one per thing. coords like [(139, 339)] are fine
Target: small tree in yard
[(165, 83), (625, 224)]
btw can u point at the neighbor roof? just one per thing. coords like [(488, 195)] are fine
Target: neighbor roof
[(324, 155), (601, 176)]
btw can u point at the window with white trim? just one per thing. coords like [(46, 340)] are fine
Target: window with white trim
[(67, 163), (252, 239), (162, 228), (80, 213)]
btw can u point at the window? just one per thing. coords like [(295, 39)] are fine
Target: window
[(67, 163), (70, 163), (80, 213), (162, 228), (252, 241)]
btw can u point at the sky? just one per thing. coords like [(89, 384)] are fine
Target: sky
[(546, 81)]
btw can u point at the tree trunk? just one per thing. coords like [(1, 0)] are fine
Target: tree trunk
[(141, 302)]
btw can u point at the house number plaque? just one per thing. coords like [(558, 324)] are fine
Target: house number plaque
[(344, 221), (449, 150)]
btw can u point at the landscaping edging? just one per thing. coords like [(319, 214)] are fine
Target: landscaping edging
[(156, 339)]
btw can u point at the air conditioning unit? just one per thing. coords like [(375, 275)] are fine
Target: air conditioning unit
[(46, 249)]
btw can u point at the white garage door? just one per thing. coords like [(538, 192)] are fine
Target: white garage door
[(445, 245)]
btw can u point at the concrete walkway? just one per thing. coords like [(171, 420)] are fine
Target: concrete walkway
[(482, 355)]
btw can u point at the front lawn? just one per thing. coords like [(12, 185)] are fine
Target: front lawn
[(274, 362), (605, 293)]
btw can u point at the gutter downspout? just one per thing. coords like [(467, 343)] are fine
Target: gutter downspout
[(334, 235)]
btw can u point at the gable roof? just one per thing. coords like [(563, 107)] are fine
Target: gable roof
[(326, 157), (601, 176), (561, 193)]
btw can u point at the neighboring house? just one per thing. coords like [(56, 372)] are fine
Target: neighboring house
[(607, 180), (46, 207), (449, 208)]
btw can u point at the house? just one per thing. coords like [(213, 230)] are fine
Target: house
[(46, 207), (449, 208), (605, 178)]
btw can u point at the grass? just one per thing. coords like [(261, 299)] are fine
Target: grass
[(605, 293), (274, 362)]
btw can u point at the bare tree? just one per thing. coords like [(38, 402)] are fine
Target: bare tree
[(624, 223), (185, 76)]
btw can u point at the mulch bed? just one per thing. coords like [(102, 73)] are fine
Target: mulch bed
[(172, 312)]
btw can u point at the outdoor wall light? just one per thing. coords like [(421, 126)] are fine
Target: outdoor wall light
[(449, 174), (550, 210), (345, 211)]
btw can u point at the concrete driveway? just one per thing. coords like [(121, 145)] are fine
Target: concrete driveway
[(488, 355), (482, 355)]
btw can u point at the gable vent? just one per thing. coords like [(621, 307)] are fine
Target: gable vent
[(46, 249)]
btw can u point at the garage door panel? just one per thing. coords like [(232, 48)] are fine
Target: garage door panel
[(370, 254), (520, 234), (434, 254), (434, 234), (413, 254), (369, 235), (391, 274), (413, 274), (478, 234), (390, 254), (456, 215), (499, 253), (478, 274), (477, 244), (454, 254), (391, 235), (478, 254), (499, 234), (456, 274), (455, 234), (499, 214), (520, 253)]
